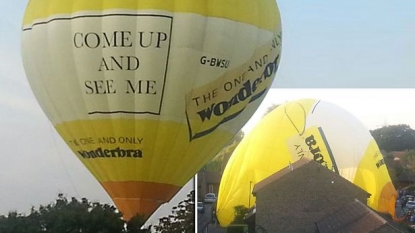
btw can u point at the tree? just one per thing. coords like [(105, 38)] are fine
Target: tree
[(135, 225), (182, 218), (17, 223), (394, 137), (240, 213), (410, 158), (218, 163), (65, 216), (76, 216)]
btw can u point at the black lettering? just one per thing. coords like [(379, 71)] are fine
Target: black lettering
[(89, 90), (318, 158), (142, 87), (125, 39), (100, 87), (221, 108), (212, 61), (248, 89), (138, 154), (245, 91), (310, 141), (111, 153), (77, 40), (203, 60), (206, 113), (161, 36), (141, 39), (94, 40)]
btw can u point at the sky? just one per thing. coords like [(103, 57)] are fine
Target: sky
[(374, 107), (359, 55), (347, 43)]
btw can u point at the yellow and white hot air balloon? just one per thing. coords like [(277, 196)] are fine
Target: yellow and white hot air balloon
[(145, 92), (306, 128)]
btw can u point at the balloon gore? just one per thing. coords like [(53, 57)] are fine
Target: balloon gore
[(145, 92)]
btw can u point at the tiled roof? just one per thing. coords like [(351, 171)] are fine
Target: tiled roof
[(354, 218), (280, 174)]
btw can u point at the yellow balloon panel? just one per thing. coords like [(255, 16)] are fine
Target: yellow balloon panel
[(146, 92), (307, 128), (127, 149)]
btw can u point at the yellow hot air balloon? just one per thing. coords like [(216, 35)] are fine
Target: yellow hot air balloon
[(306, 128), (145, 92)]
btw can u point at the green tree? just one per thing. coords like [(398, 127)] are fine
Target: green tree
[(135, 225), (240, 213), (76, 216), (80, 216), (214, 165), (68, 216), (394, 137), (182, 218), (394, 166), (18, 223), (406, 172), (410, 158), (218, 163)]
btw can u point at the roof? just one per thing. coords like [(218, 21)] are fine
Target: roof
[(270, 179), (355, 217), (298, 164)]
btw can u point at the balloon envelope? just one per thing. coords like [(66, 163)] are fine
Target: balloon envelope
[(145, 92), (305, 128)]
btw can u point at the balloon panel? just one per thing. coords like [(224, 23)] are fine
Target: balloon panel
[(146, 92), (312, 129)]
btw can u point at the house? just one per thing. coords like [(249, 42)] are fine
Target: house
[(207, 182), (354, 217), (306, 198), (202, 223)]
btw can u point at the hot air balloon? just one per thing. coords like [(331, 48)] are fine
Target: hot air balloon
[(306, 128), (145, 92)]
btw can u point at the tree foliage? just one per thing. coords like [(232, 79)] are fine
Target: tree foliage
[(394, 137), (182, 218), (65, 216), (76, 216), (241, 212), (218, 163)]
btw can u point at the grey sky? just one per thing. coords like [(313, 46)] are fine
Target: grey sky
[(347, 43)]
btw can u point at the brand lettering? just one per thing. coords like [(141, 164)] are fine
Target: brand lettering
[(248, 90), (111, 153), (311, 143), (380, 163)]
